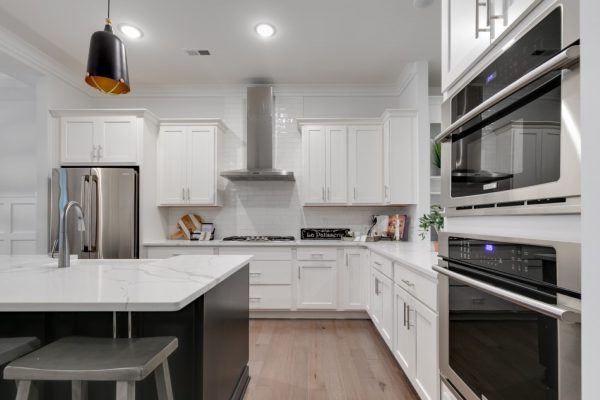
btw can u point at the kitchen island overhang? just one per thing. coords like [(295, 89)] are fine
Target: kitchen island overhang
[(203, 300)]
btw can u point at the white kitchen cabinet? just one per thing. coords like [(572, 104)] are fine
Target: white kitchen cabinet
[(317, 285), (446, 393), (508, 12), (353, 279), (376, 305), (365, 164), (188, 165), (174, 251), (270, 276), (465, 36), (315, 161), (98, 140), (202, 172), (325, 164), (382, 306), (416, 343), (404, 344), (399, 157)]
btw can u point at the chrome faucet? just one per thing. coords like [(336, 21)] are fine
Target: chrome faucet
[(64, 256)]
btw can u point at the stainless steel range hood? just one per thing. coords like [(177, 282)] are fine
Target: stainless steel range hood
[(259, 147)]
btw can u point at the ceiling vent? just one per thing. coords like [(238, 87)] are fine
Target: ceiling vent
[(194, 52)]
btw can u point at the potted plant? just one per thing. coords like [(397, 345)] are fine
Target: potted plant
[(433, 220)]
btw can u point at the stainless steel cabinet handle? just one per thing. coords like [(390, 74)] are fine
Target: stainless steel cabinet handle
[(377, 263), (255, 274), (387, 195), (479, 4), (377, 286), (298, 273), (407, 282), (317, 255), (323, 193), (408, 317), (559, 313), (94, 152), (404, 313), (255, 299), (328, 194), (188, 194), (100, 155), (354, 193), (564, 59), (183, 194), (346, 260)]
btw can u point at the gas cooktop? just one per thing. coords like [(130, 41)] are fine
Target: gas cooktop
[(259, 239)]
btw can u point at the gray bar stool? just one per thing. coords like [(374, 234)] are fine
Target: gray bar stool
[(82, 359), (13, 348)]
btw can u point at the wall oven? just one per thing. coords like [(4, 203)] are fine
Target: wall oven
[(510, 313), (512, 142)]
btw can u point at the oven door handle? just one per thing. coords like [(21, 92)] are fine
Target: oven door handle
[(563, 314), (564, 59)]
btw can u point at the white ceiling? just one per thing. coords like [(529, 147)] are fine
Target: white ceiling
[(317, 41)]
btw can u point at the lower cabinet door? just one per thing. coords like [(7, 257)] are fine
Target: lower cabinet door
[(270, 297), (352, 280), (375, 298), (317, 285), (424, 324), (387, 309), (404, 338)]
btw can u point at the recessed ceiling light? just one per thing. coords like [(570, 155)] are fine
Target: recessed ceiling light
[(131, 31), (265, 30)]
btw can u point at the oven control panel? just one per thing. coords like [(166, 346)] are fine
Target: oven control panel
[(536, 263)]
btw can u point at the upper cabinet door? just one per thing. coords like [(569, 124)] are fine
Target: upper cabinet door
[(465, 36), (400, 149), (314, 154), (201, 166), (508, 12), (366, 164), (77, 140), (172, 161), (116, 140), (337, 164)]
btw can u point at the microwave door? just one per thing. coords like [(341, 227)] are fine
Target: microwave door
[(70, 184)]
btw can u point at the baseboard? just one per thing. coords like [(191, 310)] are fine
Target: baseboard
[(309, 315)]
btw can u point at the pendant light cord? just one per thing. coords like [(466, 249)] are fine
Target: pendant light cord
[(108, 16)]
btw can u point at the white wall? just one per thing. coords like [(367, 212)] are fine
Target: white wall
[(590, 100), (17, 135)]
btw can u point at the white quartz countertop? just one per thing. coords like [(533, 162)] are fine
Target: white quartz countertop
[(417, 255), (35, 283)]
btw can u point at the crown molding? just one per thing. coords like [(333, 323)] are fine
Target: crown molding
[(135, 112), (31, 56)]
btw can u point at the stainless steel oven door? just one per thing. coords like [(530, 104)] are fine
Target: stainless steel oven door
[(495, 349), (514, 172)]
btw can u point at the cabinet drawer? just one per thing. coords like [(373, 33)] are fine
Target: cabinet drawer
[(167, 252), (270, 272), (382, 264), (317, 253), (260, 253), (270, 297), (419, 286)]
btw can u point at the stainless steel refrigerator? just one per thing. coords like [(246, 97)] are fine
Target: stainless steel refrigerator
[(109, 198)]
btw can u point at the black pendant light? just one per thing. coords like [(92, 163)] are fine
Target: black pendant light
[(107, 62)]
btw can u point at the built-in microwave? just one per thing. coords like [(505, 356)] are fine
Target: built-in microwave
[(510, 317), (512, 139)]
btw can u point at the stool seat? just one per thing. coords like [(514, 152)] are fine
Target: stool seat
[(13, 348), (93, 359)]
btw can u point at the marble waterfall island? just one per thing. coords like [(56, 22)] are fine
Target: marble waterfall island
[(202, 300)]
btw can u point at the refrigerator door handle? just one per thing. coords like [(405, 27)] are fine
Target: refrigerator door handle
[(96, 218), (85, 202)]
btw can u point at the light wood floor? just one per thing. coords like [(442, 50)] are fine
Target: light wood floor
[(322, 360)]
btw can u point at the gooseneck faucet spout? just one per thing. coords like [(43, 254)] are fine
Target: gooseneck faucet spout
[(64, 256)]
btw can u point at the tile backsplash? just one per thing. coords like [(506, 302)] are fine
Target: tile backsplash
[(273, 208)]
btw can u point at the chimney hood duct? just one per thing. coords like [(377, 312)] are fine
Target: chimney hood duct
[(259, 143)]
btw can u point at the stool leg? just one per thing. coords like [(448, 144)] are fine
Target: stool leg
[(125, 390), (79, 390), (163, 381), (24, 390)]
